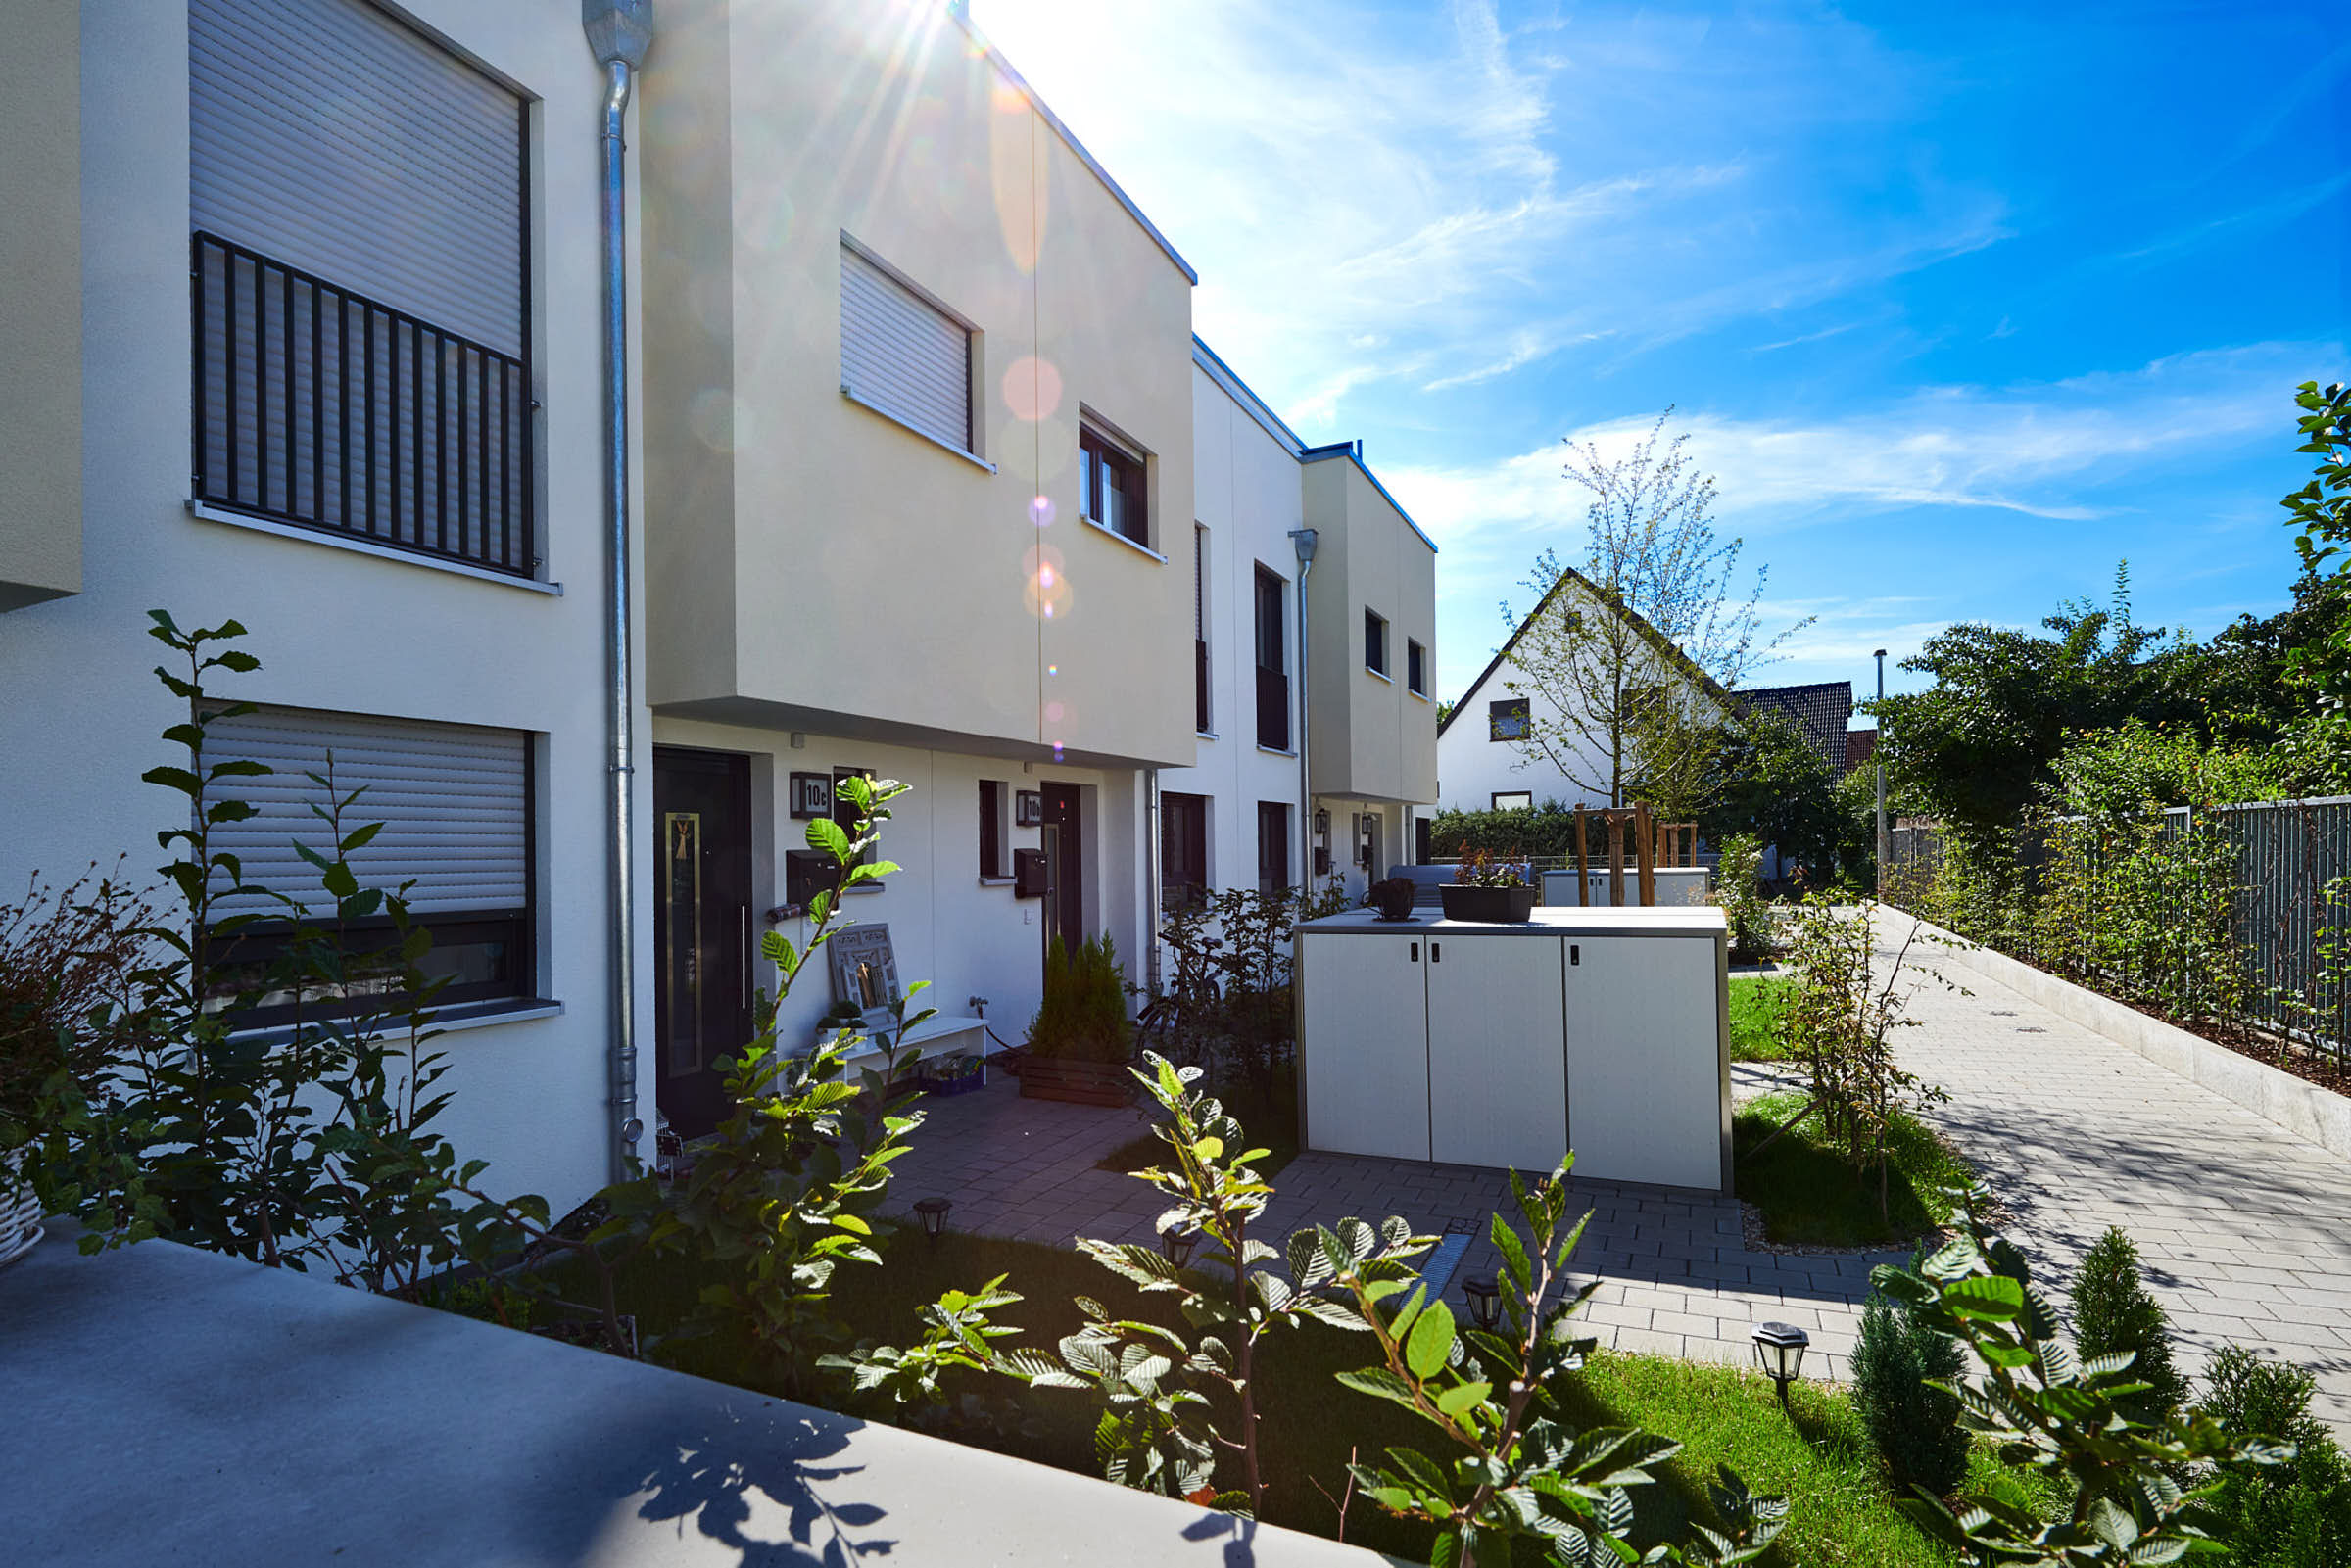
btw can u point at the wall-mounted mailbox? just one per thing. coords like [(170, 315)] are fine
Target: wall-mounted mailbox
[(806, 875), (1029, 873)]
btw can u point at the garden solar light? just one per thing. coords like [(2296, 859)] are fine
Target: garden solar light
[(933, 1215), (1178, 1242), (1780, 1353), (1485, 1298)]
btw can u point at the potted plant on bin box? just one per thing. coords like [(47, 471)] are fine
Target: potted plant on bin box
[(949, 1074), (1484, 888), (1081, 1039)]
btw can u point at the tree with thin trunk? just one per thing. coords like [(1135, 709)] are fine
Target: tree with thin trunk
[(1628, 659)]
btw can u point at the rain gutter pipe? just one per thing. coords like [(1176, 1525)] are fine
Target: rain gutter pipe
[(1305, 539), (620, 32)]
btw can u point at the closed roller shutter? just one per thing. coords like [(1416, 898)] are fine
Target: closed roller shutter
[(329, 136), (452, 798), (903, 354)]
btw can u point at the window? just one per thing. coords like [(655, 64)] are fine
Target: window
[(902, 353), (1507, 720), (844, 812), (1273, 846), (1513, 800), (1182, 851), (993, 862), (343, 383), (1110, 487), (455, 801), (1272, 664), (1201, 715), (1415, 668), (1375, 643)]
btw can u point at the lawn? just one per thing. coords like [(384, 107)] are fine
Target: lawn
[(1311, 1425), (1809, 1196), (1754, 1011)]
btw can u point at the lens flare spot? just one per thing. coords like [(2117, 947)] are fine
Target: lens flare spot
[(1054, 712), (1031, 389), (1052, 669), (1041, 510)]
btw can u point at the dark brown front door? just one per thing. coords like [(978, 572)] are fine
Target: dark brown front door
[(701, 931), (1065, 915)]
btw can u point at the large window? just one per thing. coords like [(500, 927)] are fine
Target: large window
[(1507, 720), (1375, 643), (1111, 490), (360, 277), (993, 861), (1273, 846), (1415, 668), (455, 801), (1182, 850), (903, 354), (1272, 664)]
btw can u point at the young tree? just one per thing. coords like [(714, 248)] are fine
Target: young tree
[(1627, 660)]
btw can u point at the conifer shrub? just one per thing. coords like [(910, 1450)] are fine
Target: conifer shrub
[(2113, 1312), (2292, 1515), (1914, 1426), (1082, 1014)]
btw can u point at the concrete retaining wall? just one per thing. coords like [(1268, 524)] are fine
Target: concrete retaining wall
[(2294, 1103)]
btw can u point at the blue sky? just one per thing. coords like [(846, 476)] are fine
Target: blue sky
[(1960, 305)]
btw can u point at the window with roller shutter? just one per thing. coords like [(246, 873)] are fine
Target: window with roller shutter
[(456, 842), (358, 197), (902, 353)]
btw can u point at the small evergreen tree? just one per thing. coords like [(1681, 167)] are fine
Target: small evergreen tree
[(1914, 1425), (2113, 1312), (2292, 1515)]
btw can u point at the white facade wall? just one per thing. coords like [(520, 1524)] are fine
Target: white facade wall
[(334, 629)]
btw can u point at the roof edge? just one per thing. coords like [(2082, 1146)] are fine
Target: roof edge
[(1353, 451), (959, 10), (1640, 623), (1225, 376)]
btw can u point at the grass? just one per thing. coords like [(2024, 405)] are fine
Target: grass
[(1754, 1012), (1270, 1114), (1311, 1426), (1810, 1196)]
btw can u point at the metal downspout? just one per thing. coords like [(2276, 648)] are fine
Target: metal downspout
[(1305, 539), (1152, 871), (620, 31)]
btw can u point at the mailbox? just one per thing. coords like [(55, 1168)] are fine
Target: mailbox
[(1029, 873)]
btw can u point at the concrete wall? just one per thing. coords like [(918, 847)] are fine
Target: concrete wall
[(333, 628), (40, 307), (1376, 739), (808, 553)]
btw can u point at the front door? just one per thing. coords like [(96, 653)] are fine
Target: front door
[(701, 931), (1065, 852)]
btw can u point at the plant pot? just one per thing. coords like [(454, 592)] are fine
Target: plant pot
[(1078, 1083), (947, 1086), (1493, 905), (19, 1210)]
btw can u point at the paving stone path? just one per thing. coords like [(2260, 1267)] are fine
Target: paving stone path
[(2243, 1227)]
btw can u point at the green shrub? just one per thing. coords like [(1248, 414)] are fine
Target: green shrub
[(2113, 1312), (1739, 890), (2292, 1515), (1082, 1015), (1914, 1426)]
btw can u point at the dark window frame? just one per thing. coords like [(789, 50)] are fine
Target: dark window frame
[(1415, 668), (1499, 713), (844, 813), (1273, 870), (1183, 879), (995, 864), (1375, 641), (1102, 462), (1495, 799), (1270, 600)]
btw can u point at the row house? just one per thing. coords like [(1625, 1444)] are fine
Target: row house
[(320, 320)]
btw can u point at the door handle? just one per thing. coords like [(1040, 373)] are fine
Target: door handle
[(1415, 952), (1575, 953), (1436, 952)]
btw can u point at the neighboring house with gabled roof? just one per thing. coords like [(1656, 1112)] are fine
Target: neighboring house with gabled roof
[(1820, 711)]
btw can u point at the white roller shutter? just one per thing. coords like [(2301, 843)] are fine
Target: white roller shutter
[(331, 137), (453, 799), (904, 355)]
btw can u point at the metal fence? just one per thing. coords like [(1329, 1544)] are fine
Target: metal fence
[(2288, 905)]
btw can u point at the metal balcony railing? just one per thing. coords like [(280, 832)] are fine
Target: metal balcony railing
[(1272, 709), (317, 406)]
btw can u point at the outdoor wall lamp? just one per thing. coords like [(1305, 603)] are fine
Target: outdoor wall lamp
[(1322, 823), (1178, 1242), (1485, 1298), (1780, 1353), (932, 1212)]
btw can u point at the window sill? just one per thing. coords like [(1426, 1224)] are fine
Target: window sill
[(1204, 735), (362, 547), (1423, 696), (1112, 532), (450, 1019), (1277, 751), (995, 881), (862, 888), (1382, 674), (974, 459)]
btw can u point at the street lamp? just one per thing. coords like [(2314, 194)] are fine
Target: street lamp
[(1876, 753), (1178, 1244), (1485, 1298), (1780, 1353), (932, 1212)]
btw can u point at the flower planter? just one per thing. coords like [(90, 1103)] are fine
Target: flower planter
[(19, 1210), (1494, 905), (947, 1086), (1078, 1083)]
